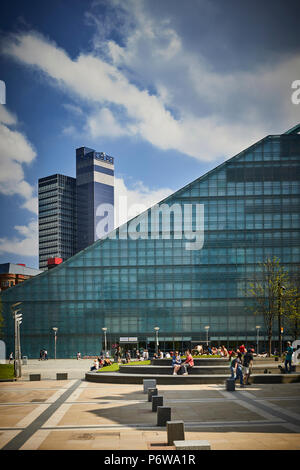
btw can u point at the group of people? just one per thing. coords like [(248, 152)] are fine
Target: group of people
[(200, 350), (241, 363), (178, 365), (43, 355), (100, 362)]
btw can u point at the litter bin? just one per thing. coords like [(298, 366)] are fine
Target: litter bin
[(24, 360)]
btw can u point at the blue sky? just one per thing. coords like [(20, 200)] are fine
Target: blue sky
[(169, 88)]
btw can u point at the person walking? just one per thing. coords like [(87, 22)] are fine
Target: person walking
[(247, 365), (288, 358), (238, 370), (232, 364)]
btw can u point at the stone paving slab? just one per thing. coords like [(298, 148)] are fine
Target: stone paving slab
[(106, 416), (11, 415)]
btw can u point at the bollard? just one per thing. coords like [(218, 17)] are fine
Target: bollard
[(61, 376), (175, 431), (230, 385), (163, 415), (149, 383), (34, 377), (151, 392), (157, 400)]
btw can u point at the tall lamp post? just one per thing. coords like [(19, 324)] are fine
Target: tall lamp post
[(207, 330), (55, 329), (105, 343), (17, 321), (156, 328), (257, 338)]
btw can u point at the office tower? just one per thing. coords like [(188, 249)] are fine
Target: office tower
[(57, 218), (129, 286), (95, 195)]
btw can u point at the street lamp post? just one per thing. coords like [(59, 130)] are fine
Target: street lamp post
[(105, 344), (257, 338), (55, 329), (17, 321), (207, 329), (156, 328)]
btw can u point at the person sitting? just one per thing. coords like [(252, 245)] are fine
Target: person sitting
[(127, 356), (168, 355), (95, 365), (189, 362), (107, 362), (242, 349), (160, 354), (176, 362)]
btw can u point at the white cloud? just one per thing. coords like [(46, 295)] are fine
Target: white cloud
[(98, 82), (191, 108), (25, 243), (103, 123), (130, 202), (15, 151)]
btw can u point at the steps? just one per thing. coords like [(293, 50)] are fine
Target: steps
[(196, 370), (116, 377)]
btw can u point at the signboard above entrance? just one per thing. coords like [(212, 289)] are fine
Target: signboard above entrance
[(124, 339)]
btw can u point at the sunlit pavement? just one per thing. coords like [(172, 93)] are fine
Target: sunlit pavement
[(74, 414)]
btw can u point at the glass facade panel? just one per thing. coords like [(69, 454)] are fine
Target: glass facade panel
[(251, 211)]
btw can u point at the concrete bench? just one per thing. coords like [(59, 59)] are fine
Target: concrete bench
[(163, 415), (61, 376), (34, 377), (192, 445), (175, 431)]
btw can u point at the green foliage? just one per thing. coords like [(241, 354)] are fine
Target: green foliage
[(115, 366), (274, 294), (7, 371)]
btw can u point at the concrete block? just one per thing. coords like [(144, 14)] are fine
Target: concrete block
[(149, 383), (192, 445), (175, 431), (157, 400), (34, 377), (61, 376), (230, 385), (163, 415), (151, 392)]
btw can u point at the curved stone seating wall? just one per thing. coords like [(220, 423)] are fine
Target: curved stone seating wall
[(215, 361), (198, 362), (115, 377), (197, 370)]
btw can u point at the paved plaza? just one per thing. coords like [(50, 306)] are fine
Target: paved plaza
[(75, 414)]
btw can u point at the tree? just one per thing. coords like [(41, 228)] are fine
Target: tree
[(292, 313), (269, 297)]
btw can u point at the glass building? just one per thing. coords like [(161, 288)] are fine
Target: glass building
[(148, 274), (57, 218), (95, 195)]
